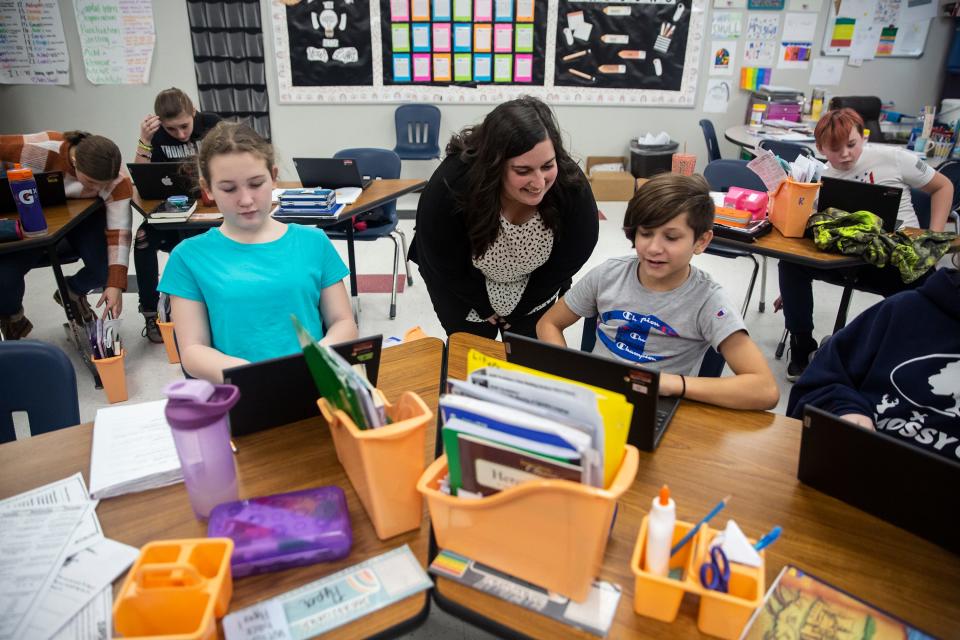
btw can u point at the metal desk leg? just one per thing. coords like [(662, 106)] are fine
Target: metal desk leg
[(352, 265), (850, 279), (74, 327), (763, 284)]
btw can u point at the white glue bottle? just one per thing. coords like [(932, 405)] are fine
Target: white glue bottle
[(660, 523)]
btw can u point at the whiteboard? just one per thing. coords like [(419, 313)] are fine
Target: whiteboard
[(898, 37)]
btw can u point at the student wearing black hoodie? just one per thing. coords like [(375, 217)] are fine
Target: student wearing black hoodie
[(895, 368)]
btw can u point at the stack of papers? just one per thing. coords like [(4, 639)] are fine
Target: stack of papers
[(56, 567), (133, 450)]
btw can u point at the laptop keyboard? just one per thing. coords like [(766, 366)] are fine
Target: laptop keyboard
[(662, 419)]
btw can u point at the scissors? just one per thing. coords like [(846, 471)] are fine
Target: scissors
[(715, 574)]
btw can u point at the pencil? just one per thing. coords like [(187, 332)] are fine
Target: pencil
[(581, 74), (632, 54), (612, 68), (575, 55), (707, 518)]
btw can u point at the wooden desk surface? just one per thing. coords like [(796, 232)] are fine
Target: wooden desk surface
[(379, 192), (288, 458), (708, 453), (60, 219), (798, 250)]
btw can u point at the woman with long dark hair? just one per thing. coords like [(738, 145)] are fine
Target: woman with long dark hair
[(504, 223)]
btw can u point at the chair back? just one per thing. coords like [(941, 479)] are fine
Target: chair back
[(376, 163), (788, 151), (868, 107), (723, 174), (921, 206), (39, 379), (710, 137), (418, 131)]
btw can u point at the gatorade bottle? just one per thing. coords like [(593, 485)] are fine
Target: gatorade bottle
[(24, 189)]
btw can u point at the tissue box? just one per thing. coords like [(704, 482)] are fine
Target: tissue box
[(609, 185), (747, 200)]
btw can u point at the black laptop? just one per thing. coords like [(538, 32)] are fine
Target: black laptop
[(160, 180), (281, 390), (49, 191), (651, 413), (852, 195), (893, 480), (330, 173)]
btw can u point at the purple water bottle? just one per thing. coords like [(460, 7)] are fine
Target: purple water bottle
[(197, 413), (24, 189)]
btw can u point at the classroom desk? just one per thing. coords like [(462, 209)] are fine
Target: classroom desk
[(60, 220), (288, 458), (747, 138), (379, 193), (706, 454)]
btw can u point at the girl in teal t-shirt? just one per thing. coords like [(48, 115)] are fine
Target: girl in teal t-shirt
[(234, 288)]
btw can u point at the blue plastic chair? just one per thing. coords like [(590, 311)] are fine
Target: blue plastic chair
[(710, 367), (379, 163), (418, 131), (788, 151), (39, 379), (710, 137)]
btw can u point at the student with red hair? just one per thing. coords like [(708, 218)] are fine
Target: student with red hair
[(839, 135)]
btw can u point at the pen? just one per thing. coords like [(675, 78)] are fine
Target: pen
[(768, 539), (707, 518)]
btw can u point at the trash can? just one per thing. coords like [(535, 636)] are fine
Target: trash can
[(647, 160)]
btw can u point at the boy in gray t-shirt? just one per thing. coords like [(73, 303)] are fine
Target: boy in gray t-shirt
[(656, 309)]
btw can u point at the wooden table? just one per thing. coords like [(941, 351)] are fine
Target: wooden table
[(379, 193), (288, 458), (707, 453), (60, 220)]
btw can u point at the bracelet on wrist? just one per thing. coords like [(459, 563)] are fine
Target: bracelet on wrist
[(683, 390), (143, 155)]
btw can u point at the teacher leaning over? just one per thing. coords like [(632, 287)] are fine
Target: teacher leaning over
[(504, 223)]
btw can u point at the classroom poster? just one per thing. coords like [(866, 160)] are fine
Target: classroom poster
[(723, 57), (796, 46), (765, 5), (759, 53), (762, 26), (864, 29), (716, 98), (329, 46), (116, 39), (33, 49), (726, 24)]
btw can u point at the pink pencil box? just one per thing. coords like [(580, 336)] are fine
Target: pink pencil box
[(748, 200)]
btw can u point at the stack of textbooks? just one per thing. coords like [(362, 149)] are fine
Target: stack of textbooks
[(344, 387), (308, 203), (504, 426), (166, 212)]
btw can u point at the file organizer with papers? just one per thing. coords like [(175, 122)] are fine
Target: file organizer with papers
[(722, 615), (384, 464), (176, 589), (552, 533)]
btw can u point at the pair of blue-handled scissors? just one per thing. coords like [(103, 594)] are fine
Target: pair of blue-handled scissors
[(715, 574)]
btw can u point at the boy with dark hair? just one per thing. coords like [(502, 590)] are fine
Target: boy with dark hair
[(656, 309)]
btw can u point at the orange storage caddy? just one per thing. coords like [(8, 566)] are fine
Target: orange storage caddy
[(552, 533), (722, 615), (113, 377), (175, 590), (384, 464), (792, 205), (169, 341)]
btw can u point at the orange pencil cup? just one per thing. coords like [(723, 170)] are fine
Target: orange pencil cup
[(384, 464), (113, 377), (166, 330), (175, 590), (659, 597), (724, 614), (792, 204), (552, 533)]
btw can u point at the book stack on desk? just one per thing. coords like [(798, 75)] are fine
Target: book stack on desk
[(308, 203), (165, 213)]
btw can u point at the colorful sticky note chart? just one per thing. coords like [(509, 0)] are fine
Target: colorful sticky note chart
[(482, 37), (752, 77), (523, 68), (462, 38), (503, 38), (400, 10), (421, 67), (441, 36), (420, 11), (483, 10), (502, 67), (421, 37), (888, 36), (842, 35), (525, 10), (462, 67), (441, 10), (442, 71), (462, 10), (503, 10), (401, 68), (400, 37), (482, 67), (524, 38)]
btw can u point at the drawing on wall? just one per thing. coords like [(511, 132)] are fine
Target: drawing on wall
[(882, 28), (726, 24), (716, 98), (33, 49), (723, 57)]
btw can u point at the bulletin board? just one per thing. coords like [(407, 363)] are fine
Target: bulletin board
[(488, 51), (885, 28)]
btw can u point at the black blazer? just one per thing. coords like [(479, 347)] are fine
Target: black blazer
[(441, 246)]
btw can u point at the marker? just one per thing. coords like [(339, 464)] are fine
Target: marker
[(617, 11), (581, 74), (575, 55), (768, 539), (678, 12), (707, 518), (612, 68), (632, 54), (614, 38), (657, 66)]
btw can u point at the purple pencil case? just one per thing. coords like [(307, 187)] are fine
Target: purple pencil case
[(284, 530)]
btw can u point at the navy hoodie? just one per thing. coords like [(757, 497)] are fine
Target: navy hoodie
[(899, 363)]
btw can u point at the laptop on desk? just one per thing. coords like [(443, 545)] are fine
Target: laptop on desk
[(330, 173), (651, 413), (852, 195), (160, 180), (281, 390), (49, 191), (893, 480)]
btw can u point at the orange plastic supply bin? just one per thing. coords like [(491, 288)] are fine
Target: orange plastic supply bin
[(113, 377), (724, 614), (659, 597), (175, 590), (384, 464), (169, 342), (552, 533), (792, 206)]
